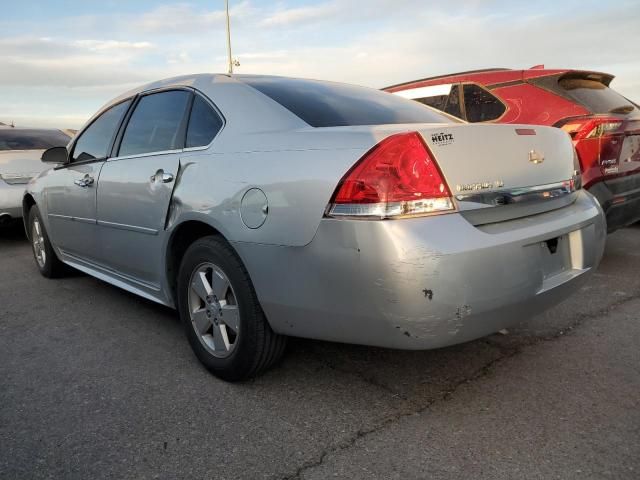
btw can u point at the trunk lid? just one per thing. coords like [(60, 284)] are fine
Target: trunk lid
[(19, 166), (502, 172)]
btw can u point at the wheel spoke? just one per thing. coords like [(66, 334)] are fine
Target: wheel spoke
[(201, 321), (220, 338), (200, 286), (220, 285), (231, 317)]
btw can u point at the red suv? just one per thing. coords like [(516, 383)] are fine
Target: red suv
[(604, 125)]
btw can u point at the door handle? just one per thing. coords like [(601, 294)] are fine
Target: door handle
[(161, 176), (85, 181)]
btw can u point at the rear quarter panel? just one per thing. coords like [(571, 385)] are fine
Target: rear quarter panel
[(298, 185)]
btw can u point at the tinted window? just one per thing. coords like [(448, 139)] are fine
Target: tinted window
[(447, 103), (30, 139), (480, 105), (597, 97), (437, 101), (95, 141), (155, 124), (204, 123), (327, 104)]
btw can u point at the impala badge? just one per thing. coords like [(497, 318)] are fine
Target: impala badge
[(536, 157)]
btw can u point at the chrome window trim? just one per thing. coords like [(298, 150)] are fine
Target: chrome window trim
[(142, 155), (180, 150)]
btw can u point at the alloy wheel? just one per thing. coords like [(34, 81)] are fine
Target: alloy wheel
[(213, 310), (37, 238)]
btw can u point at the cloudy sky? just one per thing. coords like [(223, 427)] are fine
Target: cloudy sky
[(61, 60)]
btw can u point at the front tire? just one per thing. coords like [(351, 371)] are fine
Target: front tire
[(46, 259), (221, 315)]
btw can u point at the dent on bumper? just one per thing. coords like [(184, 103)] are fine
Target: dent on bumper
[(424, 282)]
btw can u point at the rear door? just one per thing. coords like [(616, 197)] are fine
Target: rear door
[(71, 189), (136, 185)]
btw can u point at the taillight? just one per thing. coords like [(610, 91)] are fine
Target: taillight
[(397, 177), (593, 127), (598, 141)]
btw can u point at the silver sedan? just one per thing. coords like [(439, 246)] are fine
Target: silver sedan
[(264, 207)]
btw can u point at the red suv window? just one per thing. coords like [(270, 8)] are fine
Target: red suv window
[(480, 105), (595, 96)]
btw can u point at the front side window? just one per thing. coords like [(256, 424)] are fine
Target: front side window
[(480, 105), (204, 124), (156, 123), (95, 141)]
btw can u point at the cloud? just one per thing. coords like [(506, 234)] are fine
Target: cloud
[(97, 45), (300, 15), (84, 62), (80, 63), (184, 18)]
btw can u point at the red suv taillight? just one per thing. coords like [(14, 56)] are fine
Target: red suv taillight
[(598, 141), (592, 127), (397, 177)]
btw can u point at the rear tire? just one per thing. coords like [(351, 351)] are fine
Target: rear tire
[(46, 259), (222, 317)]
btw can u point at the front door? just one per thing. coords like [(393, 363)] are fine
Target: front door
[(71, 205), (70, 190)]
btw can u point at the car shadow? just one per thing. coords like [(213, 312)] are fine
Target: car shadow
[(12, 233)]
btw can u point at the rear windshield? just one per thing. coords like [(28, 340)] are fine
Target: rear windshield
[(28, 139), (328, 104), (595, 96)]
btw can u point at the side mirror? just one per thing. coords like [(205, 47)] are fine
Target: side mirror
[(57, 155)]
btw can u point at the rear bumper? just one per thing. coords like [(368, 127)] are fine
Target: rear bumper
[(620, 200), (11, 199), (425, 282)]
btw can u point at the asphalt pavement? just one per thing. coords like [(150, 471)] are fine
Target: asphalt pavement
[(98, 383)]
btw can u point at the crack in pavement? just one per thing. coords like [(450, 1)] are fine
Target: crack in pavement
[(508, 352)]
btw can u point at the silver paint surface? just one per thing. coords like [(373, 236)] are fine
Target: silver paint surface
[(407, 283)]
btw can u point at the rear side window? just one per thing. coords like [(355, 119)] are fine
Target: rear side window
[(328, 104), (31, 139), (204, 124), (95, 141), (595, 96), (480, 105), (156, 124), (449, 103)]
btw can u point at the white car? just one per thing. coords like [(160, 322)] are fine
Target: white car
[(20, 152)]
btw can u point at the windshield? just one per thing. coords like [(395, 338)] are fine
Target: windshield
[(596, 96), (30, 139), (329, 104)]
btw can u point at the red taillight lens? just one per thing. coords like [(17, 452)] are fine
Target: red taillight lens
[(597, 127), (399, 176)]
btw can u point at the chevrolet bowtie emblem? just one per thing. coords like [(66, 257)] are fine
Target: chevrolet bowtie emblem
[(536, 157)]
